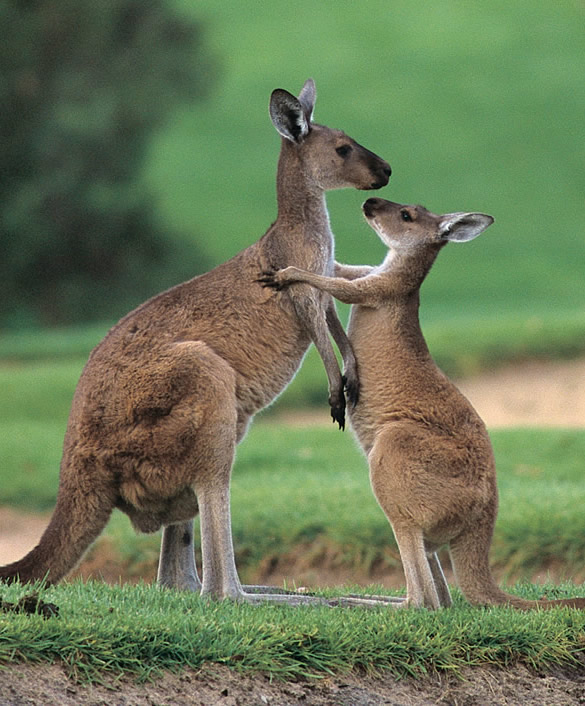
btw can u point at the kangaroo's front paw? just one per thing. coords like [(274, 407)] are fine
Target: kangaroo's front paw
[(352, 388), (337, 405), (269, 278)]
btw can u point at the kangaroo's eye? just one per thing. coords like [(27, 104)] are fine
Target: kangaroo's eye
[(405, 215), (343, 150)]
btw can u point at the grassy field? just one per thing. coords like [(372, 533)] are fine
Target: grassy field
[(141, 630), (306, 487), (294, 490), (478, 108)]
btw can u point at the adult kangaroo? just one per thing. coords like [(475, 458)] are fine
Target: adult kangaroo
[(172, 388), (431, 462)]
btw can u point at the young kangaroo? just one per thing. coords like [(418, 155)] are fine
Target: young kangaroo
[(431, 462), (171, 390)]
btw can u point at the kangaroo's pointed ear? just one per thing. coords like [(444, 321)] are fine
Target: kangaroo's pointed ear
[(307, 98), (461, 227), (288, 115)]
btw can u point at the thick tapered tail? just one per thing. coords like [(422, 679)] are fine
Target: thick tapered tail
[(80, 516), (470, 559), (469, 556)]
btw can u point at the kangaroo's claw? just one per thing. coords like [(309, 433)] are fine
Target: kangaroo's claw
[(338, 411), (267, 279), (352, 389)]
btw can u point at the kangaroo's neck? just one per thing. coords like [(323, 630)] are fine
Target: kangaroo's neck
[(403, 329), (407, 272), (301, 202), (402, 324)]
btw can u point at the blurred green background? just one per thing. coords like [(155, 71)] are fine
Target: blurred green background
[(475, 106), (139, 152)]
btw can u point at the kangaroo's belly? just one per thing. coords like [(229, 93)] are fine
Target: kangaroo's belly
[(257, 335), (400, 381)]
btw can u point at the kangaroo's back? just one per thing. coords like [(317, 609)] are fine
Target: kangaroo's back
[(212, 309)]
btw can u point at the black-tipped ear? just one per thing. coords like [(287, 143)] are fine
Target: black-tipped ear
[(461, 227), (307, 98), (288, 115)]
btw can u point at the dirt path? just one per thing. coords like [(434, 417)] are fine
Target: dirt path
[(535, 394), (217, 685)]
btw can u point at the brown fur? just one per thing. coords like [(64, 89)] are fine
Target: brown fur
[(171, 390), (431, 461)]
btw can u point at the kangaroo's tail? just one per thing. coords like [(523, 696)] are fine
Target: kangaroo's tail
[(82, 511), (469, 556)]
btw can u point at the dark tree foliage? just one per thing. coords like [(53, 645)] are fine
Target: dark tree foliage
[(83, 85)]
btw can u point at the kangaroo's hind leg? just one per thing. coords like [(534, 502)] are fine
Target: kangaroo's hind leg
[(420, 585), (399, 486), (439, 579), (176, 568)]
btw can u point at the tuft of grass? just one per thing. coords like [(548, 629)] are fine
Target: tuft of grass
[(142, 630)]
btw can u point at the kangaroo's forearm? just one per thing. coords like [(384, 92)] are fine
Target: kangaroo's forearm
[(358, 291), (352, 271)]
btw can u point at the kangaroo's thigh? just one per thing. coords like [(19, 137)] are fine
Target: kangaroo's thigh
[(395, 475), (184, 417), (417, 477)]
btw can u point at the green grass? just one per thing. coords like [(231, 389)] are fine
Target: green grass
[(141, 630)]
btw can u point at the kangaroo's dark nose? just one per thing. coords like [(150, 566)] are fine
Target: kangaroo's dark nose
[(383, 176), (369, 207)]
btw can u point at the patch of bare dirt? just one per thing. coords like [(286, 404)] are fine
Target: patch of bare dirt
[(535, 394), (217, 685)]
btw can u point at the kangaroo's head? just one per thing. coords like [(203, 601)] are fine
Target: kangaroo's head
[(329, 157), (408, 229)]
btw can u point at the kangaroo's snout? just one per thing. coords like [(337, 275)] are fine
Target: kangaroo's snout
[(371, 206), (382, 176)]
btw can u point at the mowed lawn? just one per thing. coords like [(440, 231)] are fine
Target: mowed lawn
[(476, 108)]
